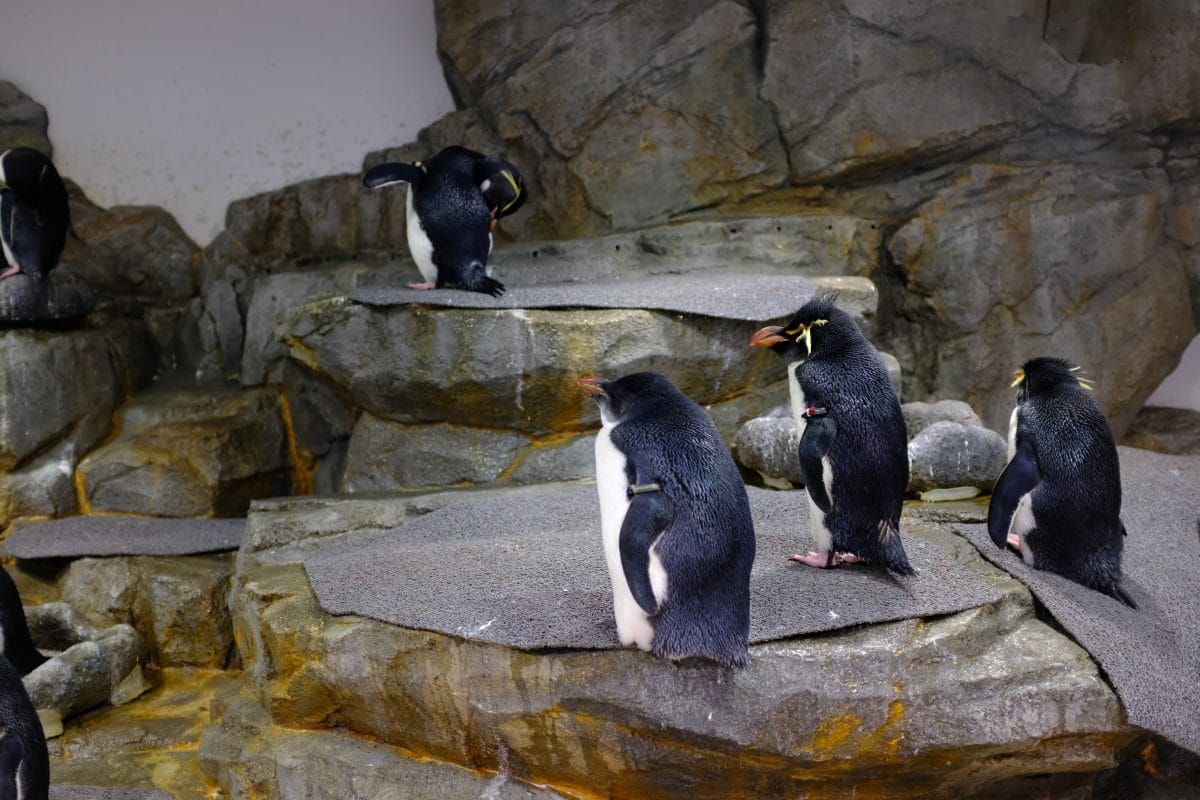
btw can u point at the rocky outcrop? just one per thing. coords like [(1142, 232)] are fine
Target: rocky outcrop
[(190, 454), (23, 122), (948, 455)]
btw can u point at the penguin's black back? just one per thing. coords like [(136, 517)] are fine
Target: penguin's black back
[(1077, 503), (18, 644), (708, 549), (35, 225), (869, 455), (24, 760), (455, 217)]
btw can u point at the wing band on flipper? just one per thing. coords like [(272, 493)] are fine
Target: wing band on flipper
[(818, 437), (648, 515), (1017, 480)]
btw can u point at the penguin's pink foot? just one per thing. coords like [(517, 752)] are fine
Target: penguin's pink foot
[(8, 273), (427, 285), (815, 559), (846, 558), (1014, 541)]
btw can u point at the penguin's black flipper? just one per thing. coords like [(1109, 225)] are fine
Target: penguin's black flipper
[(818, 437), (1017, 480), (648, 515), (395, 172), (11, 754)]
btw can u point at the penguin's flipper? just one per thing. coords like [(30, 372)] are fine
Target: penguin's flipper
[(475, 279), (818, 437), (394, 172), (648, 515), (1017, 480)]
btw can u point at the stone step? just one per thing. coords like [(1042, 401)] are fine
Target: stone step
[(912, 705), (426, 389)]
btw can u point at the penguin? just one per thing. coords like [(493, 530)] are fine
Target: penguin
[(453, 204), (1058, 501), (16, 643), (675, 520), (853, 442), (24, 760), (34, 214)]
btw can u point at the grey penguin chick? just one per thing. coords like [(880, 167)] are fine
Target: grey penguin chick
[(24, 760), (853, 443), (1058, 501), (675, 519)]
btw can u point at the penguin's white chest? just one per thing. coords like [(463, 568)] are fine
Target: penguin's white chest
[(633, 627), (418, 241)]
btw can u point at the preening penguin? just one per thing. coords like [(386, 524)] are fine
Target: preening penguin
[(1058, 502), (453, 203), (34, 214), (17, 644), (678, 536), (24, 761), (853, 447)]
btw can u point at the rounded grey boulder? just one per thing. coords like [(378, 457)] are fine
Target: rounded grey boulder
[(919, 416), (66, 297), (949, 454)]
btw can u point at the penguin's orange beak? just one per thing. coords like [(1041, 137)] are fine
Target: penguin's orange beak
[(591, 385), (767, 336)]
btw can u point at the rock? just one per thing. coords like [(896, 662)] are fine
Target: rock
[(132, 250), (385, 456), (88, 672), (948, 454), (66, 297), (975, 300), (508, 368), (1165, 430), (36, 409), (918, 416), (176, 604), (652, 113), (770, 446), (23, 122), (553, 460), (191, 453), (919, 699)]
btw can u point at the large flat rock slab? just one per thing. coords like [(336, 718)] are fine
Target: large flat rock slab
[(113, 535), (712, 294), (528, 571), (1151, 655), (105, 793)]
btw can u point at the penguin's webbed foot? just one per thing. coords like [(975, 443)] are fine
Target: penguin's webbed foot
[(426, 285), (827, 560), (1014, 541), (8, 273)]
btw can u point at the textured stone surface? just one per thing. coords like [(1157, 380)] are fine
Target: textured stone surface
[(132, 250), (918, 416), (23, 121), (1165, 430), (191, 453), (384, 455), (66, 297), (89, 670), (948, 454), (513, 368), (770, 446), (177, 604), (913, 704), (114, 535), (1009, 263), (53, 384)]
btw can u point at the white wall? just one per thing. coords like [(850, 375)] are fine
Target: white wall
[(189, 104)]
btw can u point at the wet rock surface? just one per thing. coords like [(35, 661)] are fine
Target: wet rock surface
[(1165, 430), (65, 296)]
